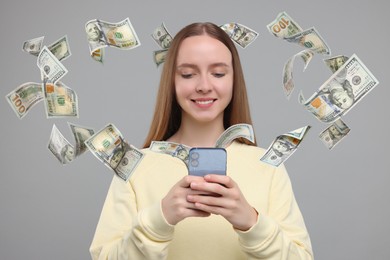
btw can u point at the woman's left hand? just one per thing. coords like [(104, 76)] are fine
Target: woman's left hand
[(229, 201)]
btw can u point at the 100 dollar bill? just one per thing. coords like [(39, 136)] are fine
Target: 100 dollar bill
[(110, 148), (343, 90), (234, 132), (288, 84), (284, 26), (23, 98), (284, 146), (179, 151), (334, 133), (60, 147), (50, 66), (33, 46), (60, 100), (101, 34)]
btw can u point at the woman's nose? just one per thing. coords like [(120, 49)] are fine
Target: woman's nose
[(204, 85)]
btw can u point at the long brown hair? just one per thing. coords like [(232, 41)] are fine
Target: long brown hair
[(167, 114)]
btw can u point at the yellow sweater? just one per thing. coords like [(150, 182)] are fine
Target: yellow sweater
[(132, 225)]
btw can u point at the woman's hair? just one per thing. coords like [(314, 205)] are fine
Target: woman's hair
[(167, 114)]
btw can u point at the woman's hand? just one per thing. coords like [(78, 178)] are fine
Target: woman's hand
[(175, 205), (228, 202)]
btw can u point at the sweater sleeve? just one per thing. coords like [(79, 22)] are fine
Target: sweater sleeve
[(123, 232), (281, 233)]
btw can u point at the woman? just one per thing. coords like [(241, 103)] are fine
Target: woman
[(162, 213)]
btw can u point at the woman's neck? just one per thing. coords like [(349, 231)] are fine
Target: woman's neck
[(195, 134)]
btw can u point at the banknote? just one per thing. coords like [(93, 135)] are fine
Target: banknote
[(101, 34), (229, 28), (33, 46), (243, 35), (162, 37), (60, 147), (60, 101), (343, 90), (24, 97), (51, 67), (288, 84), (310, 39), (98, 55), (284, 146), (129, 162), (110, 148), (159, 56), (234, 132), (60, 48), (81, 134), (334, 63), (284, 26), (179, 151), (239, 33), (334, 133)]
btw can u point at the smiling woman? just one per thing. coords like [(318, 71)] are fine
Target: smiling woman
[(162, 212), (203, 86)]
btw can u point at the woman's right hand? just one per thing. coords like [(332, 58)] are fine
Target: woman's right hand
[(175, 205)]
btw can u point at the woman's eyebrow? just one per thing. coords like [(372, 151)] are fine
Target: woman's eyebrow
[(219, 64), (187, 65), (193, 66)]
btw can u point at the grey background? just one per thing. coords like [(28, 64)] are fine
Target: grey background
[(50, 211)]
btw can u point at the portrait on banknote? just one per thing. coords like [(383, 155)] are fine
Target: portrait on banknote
[(67, 154), (95, 36)]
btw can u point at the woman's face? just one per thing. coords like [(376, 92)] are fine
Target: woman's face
[(203, 79)]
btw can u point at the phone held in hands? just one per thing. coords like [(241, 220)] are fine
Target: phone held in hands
[(207, 160)]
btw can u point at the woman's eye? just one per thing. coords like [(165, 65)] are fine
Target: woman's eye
[(219, 75), (186, 76)]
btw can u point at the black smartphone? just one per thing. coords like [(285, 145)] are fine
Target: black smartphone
[(207, 160)]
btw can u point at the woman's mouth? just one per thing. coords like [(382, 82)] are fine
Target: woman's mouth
[(203, 102)]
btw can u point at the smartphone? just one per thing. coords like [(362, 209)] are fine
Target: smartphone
[(207, 160)]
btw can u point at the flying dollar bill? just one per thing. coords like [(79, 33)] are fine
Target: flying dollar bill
[(240, 34), (288, 84), (310, 39), (81, 134), (101, 34), (284, 146), (234, 132), (60, 101), (110, 148), (98, 55), (343, 90), (334, 63), (334, 133), (162, 37), (159, 56), (33, 46), (60, 147), (60, 48), (51, 67), (179, 151), (229, 28), (284, 26), (23, 98)]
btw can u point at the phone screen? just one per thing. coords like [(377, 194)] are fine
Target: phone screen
[(205, 160)]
